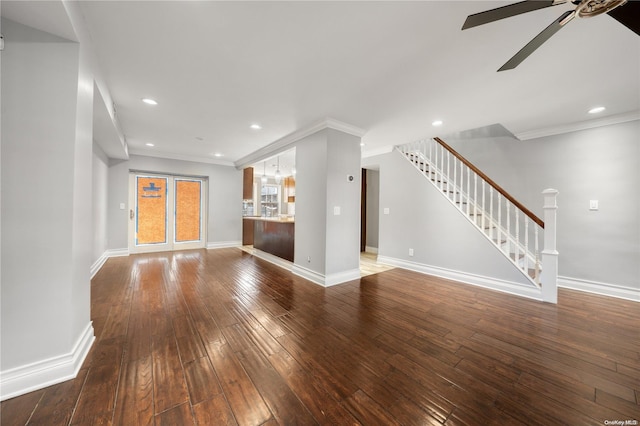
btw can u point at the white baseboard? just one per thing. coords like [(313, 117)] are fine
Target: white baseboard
[(27, 378), (105, 256), (223, 244), (278, 261), (510, 287), (117, 252), (97, 265), (603, 289), (341, 277), (308, 274), (326, 280), (373, 250)]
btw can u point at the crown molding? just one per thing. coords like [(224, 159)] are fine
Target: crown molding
[(287, 141), (377, 151), (580, 125), (181, 157)]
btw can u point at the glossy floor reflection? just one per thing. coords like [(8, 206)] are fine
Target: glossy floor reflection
[(215, 337)]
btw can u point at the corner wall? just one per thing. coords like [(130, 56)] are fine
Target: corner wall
[(47, 104)]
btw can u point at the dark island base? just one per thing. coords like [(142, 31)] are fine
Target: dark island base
[(274, 237)]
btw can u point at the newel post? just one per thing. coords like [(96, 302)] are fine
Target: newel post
[(549, 275)]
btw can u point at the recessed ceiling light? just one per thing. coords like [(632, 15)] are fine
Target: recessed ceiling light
[(256, 126), (217, 154), (149, 144), (437, 123), (596, 110), (149, 101)]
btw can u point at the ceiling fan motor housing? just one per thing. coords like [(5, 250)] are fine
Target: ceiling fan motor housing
[(591, 8)]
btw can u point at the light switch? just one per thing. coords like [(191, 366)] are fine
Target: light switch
[(386, 210), (121, 206), (336, 210), (593, 204)]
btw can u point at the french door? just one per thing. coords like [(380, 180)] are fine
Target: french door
[(166, 212)]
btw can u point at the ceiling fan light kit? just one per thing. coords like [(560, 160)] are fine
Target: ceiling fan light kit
[(629, 16)]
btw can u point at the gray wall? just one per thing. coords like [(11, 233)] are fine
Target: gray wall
[(324, 160), (47, 107), (343, 230), (224, 223), (311, 194), (100, 194), (422, 219), (373, 208), (596, 164)]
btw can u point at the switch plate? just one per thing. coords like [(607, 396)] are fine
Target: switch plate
[(410, 252), (336, 210), (121, 206), (593, 205), (386, 210)]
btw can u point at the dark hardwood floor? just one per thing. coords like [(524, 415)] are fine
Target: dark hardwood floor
[(220, 337)]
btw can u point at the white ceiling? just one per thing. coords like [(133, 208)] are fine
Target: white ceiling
[(389, 68)]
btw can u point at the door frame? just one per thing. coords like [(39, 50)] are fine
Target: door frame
[(170, 244)]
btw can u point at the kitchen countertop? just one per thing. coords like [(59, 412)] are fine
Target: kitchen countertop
[(271, 219)]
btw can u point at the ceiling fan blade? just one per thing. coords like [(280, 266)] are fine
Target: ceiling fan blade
[(628, 15), (538, 40), (506, 12)]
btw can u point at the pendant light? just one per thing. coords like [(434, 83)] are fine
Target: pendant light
[(278, 176), (264, 169)]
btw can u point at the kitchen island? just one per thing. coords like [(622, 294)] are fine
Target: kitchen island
[(272, 235)]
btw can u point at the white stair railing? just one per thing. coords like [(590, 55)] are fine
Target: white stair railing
[(514, 229)]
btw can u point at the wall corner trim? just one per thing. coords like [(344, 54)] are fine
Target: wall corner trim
[(37, 375)]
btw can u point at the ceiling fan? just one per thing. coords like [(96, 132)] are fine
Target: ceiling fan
[(625, 12)]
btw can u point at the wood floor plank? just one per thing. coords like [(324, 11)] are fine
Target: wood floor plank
[(202, 381), (18, 411), (214, 411), (180, 415), (325, 409), (58, 403), (221, 337), (244, 399), (283, 403), (169, 385), (135, 394)]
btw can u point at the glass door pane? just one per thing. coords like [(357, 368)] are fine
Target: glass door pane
[(151, 210), (187, 210)]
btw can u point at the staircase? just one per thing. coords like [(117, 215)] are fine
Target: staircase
[(522, 237)]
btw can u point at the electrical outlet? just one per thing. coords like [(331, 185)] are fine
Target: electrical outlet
[(410, 252), (593, 204), (308, 259), (385, 210)]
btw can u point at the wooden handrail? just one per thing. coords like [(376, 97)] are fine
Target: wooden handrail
[(497, 187)]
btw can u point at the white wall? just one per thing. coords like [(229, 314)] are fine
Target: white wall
[(224, 226), (597, 164), (46, 208), (100, 191)]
